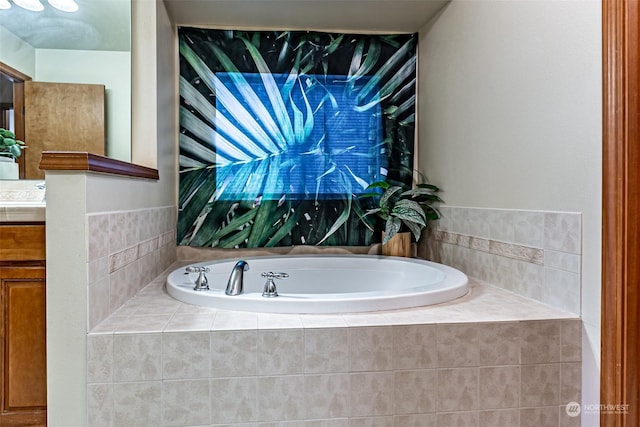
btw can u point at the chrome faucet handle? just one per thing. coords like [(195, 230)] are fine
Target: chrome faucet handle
[(195, 269), (270, 290), (273, 275), (202, 283)]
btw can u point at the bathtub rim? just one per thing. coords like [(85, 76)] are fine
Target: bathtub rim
[(457, 286)]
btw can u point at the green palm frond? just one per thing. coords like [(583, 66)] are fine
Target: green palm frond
[(242, 140)]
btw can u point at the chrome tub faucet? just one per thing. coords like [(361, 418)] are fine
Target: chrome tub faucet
[(235, 284)]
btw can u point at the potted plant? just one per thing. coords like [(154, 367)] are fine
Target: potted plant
[(10, 150), (404, 212)]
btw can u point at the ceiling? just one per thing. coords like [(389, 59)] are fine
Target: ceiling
[(106, 24), (97, 25), (403, 16)]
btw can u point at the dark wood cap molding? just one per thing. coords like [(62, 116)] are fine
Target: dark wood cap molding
[(82, 161)]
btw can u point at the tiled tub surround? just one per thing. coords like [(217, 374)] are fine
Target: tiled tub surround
[(536, 254), (489, 359), (125, 249)]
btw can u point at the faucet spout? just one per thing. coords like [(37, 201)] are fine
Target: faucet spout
[(235, 284)]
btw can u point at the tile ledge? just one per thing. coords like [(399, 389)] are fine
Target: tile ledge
[(484, 303)]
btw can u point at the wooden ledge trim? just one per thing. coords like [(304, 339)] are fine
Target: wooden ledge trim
[(82, 161)]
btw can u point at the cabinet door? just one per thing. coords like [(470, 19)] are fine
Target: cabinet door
[(62, 117), (23, 344)]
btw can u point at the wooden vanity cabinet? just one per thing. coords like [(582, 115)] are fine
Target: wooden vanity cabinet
[(23, 395)]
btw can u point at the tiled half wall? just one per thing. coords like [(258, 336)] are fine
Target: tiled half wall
[(537, 254), (126, 249), (496, 374)]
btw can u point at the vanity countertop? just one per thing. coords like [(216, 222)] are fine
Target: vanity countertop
[(22, 201)]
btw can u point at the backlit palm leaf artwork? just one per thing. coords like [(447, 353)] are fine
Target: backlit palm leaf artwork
[(280, 131)]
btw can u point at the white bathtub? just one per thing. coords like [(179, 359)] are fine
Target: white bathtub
[(324, 284)]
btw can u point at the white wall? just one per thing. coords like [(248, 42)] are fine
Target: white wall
[(510, 117), (16, 53), (143, 95), (111, 69)]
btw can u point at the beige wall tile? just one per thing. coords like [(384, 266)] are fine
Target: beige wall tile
[(119, 289), (99, 358), (457, 389), (157, 306), (414, 347), (137, 404), (457, 419), (501, 271), (98, 306), (100, 405), (528, 280), (540, 385), (415, 391), (278, 321), (562, 232), (540, 341), (371, 394), (326, 350), (235, 321), (234, 353), (371, 348), (98, 269), (326, 396), (539, 417), (499, 343), (562, 261), (339, 422), (478, 222), (501, 225), (415, 420), (457, 345), (143, 324), (148, 220), (185, 402), (137, 357), (191, 322), (571, 382), (281, 398), (236, 425), (279, 424), (562, 289), (234, 400), (98, 234), (529, 228), (371, 422), (499, 387), (186, 355), (568, 421), (571, 342), (280, 352), (499, 418), (118, 227)]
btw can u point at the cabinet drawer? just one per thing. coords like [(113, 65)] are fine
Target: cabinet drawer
[(22, 242)]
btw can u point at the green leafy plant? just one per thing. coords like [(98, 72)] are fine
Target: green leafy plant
[(402, 208), (9, 145), (255, 106)]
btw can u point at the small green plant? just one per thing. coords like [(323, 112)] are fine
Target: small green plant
[(402, 208), (9, 145)]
